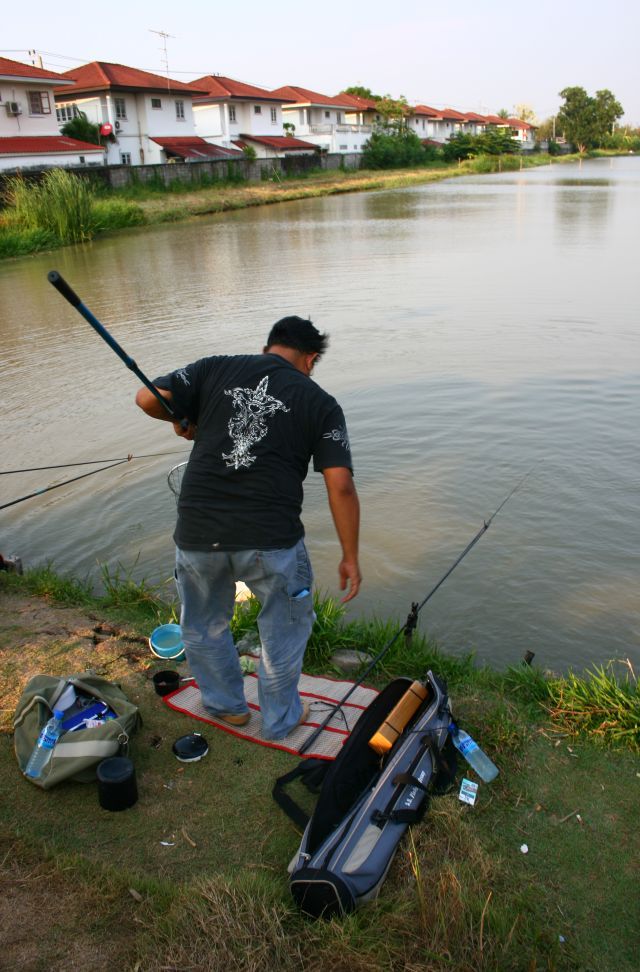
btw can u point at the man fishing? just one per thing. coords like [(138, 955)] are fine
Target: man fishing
[(256, 422)]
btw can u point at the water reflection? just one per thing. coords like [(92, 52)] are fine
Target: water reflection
[(479, 328)]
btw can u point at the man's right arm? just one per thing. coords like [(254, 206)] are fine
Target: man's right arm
[(150, 405)]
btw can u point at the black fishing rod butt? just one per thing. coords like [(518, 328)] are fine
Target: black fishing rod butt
[(63, 288)]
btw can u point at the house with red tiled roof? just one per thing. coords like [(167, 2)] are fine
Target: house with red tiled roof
[(420, 120), (322, 119), (522, 131), (29, 132), (363, 111), (235, 115), (149, 118)]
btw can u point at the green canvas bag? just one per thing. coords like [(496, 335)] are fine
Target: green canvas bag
[(76, 754)]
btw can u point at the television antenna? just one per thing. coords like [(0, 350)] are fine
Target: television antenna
[(165, 56)]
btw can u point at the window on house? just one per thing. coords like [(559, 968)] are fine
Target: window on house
[(232, 113), (274, 115), (156, 102), (257, 109), (120, 106), (65, 113), (39, 103), (344, 148), (125, 158), (180, 110), (327, 114), (82, 160), (339, 117)]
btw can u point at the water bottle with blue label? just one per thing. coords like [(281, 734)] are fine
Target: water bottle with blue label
[(43, 749), (475, 757)]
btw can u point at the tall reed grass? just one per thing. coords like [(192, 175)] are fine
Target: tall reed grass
[(61, 205), (60, 209), (600, 704)]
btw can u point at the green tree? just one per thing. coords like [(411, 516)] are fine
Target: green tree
[(361, 92), (546, 129), (608, 110), (503, 113), (394, 111), (392, 148), (494, 141), (81, 128), (586, 121)]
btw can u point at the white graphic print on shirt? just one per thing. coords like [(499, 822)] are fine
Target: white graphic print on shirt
[(339, 435), (248, 425)]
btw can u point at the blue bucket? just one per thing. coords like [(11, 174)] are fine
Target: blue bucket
[(166, 642)]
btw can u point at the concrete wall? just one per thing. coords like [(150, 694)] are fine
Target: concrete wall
[(118, 176)]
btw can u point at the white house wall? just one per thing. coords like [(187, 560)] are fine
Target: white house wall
[(141, 123), (27, 123), (332, 133), (208, 122), (225, 122)]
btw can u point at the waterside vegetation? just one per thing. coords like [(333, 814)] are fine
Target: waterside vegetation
[(64, 208), (194, 876)]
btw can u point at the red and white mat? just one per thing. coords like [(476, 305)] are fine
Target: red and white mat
[(321, 693)]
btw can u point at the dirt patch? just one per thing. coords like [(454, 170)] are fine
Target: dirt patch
[(40, 637)]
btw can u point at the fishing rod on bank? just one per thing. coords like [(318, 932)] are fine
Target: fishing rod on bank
[(61, 285), (412, 619)]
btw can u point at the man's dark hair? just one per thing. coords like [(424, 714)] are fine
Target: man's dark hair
[(295, 332)]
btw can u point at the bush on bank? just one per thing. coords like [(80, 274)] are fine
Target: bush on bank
[(59, 209)]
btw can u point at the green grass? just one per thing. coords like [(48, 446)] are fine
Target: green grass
[(460, 896)]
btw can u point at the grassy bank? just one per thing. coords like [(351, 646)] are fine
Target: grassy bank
[(194, 876), (65, 209)]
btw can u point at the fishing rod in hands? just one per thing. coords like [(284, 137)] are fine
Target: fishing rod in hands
[(63, 288), (411, 621)]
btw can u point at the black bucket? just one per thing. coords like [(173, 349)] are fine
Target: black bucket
[(166, 682), (117, 789)]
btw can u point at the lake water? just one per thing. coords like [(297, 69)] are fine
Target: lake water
[(481, 328)]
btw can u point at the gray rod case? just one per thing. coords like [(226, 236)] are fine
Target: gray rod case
[(366, 802)]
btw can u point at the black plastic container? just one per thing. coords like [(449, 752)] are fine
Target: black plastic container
[(117, 788), (165, 682)]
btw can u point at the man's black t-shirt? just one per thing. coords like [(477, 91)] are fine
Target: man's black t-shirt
[(259, 423)]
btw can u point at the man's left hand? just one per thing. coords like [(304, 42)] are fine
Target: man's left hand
[(350, 579)]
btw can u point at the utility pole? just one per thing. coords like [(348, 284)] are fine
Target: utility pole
[(165, 58)]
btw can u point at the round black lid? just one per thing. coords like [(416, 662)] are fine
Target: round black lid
[(190, 748), (115, 769)]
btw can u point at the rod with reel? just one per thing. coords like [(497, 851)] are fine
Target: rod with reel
[(63, 288), (411, 621)]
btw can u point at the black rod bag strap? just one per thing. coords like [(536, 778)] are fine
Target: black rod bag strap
[(311, 771)]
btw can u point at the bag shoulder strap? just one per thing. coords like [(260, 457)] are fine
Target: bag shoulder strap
[(311, 771)]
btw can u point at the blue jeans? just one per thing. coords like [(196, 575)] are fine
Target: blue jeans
[(279, 579)]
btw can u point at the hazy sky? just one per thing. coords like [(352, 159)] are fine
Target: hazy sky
[(478, 55)]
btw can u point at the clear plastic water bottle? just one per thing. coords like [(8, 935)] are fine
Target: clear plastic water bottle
[(44, 747), (474, 756)]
